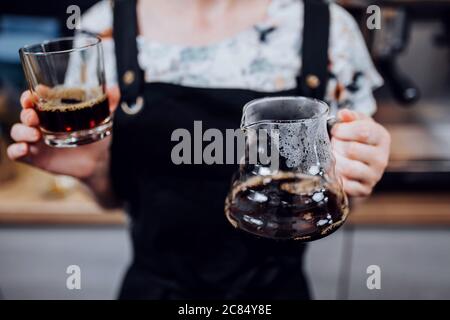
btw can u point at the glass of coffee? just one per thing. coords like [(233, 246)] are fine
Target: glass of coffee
[(67, 81), (286, 186)]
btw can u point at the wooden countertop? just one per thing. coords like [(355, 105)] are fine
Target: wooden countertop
[(27, 199), (408, 209), (34, 196)]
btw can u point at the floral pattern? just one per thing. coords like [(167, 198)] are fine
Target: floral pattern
[(264, 58)]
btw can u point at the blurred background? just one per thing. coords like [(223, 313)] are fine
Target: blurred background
[(48, 223)]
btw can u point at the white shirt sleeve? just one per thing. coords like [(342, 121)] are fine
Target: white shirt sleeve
[(353, 75), (98, 19)]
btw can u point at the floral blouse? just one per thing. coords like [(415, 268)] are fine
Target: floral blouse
[(265, 57)]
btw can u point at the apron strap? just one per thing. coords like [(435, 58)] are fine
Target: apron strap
[(130, 75), (313, 79), (311, 82)]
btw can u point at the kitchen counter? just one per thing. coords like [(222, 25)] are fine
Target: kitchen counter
[(418, 135), (32, 197), (35, 197)]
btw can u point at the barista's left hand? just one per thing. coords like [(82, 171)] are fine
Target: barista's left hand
[(361, 147)]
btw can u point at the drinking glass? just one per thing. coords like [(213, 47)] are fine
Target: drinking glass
[(67, 82)]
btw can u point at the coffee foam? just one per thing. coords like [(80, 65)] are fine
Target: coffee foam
[(63, 93), (55, 96)]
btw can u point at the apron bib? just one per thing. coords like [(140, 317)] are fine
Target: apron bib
[(183, 246)]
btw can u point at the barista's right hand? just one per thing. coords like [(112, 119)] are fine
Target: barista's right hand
[(80, 162)]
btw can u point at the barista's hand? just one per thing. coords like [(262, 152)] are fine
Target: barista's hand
[(80, 162), (361, 148)]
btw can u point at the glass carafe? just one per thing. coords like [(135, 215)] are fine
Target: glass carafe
[(286, 186)]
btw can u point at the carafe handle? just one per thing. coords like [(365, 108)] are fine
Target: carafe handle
[(331, 121)]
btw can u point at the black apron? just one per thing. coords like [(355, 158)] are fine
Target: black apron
[(183, 246)]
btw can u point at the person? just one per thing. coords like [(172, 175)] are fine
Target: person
[(169, 63)]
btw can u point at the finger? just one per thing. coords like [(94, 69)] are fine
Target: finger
[(29, 117), (44, 91), (356, 170), (365, 153), (355, 188), (26, 100), (21, 132), (17, 151), (347, 115), (365, 131), (113, 97)]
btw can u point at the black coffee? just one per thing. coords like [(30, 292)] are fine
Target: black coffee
[(286, 206), (72, 110)]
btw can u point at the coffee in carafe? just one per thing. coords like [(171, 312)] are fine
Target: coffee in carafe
[(286, 205), (299, 198)]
